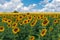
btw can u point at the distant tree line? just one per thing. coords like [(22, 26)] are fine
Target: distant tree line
[(15, 11)]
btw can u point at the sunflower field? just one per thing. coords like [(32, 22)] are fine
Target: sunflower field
[(29, 26)]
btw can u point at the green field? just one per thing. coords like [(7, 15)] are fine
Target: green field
[(29, 26)]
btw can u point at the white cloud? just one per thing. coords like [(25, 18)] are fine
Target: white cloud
[(57, 0), (44, 2), (0, 5), (15, 0), (24, 8), (18, 6), (6, 5), (34, 5), (11, 6), (15, 5), (54, 6), (2, 1)]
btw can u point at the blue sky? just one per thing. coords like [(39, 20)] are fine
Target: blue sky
[(28, 2), (30, 5)]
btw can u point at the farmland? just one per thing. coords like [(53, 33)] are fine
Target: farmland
[(29, 26)]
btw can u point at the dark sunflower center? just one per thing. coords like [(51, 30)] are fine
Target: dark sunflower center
[(43, 32), (1, 28), (45, 22), (15, 30)]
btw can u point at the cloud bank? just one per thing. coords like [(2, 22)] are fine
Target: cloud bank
[(54, 6), (12, 5)]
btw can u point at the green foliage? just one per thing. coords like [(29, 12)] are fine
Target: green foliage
[(38, 31)]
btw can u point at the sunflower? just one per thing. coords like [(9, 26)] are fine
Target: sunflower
[(27, 14), (15, 30), (9, 21), (34, 16), (4, 19), (1, 28), (20, 17), (25, 21), (28, 20), (45, 22), (9, 25), (32, 38), (43, 33), (55, 16), (45, 18), (40, 16), (55, 21), (14, 24), (33, 23), (30, 17), (24, 15), (17, 20), (4, 16), (14, 15), (21, 23)]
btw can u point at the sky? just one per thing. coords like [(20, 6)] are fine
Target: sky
[(30, 5)]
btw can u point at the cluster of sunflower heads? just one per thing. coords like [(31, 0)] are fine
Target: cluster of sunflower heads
[(16, 26)]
